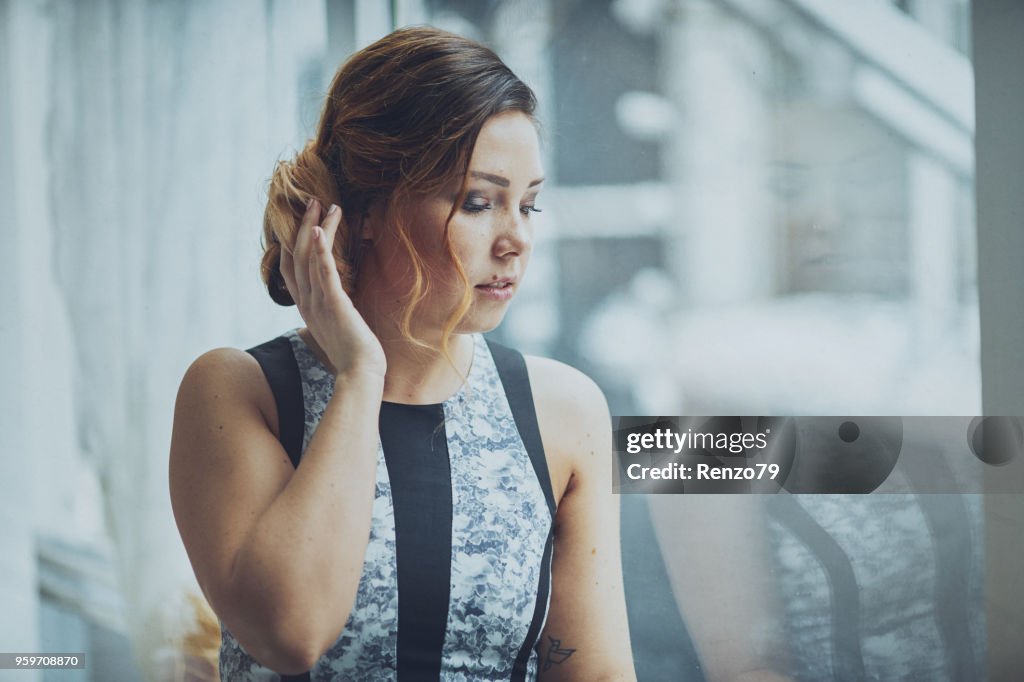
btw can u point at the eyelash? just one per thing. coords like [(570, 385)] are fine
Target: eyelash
[(479, 208)]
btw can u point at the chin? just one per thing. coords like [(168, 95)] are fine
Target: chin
[(478, 322)]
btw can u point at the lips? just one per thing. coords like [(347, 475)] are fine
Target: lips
[(499, 289), (502, 283)]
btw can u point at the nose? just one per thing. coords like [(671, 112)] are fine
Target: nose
[(514, 235)]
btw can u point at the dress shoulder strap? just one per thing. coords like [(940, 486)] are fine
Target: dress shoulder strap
[(511, 366), (277, 359)]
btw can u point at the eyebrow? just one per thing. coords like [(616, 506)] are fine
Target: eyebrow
[(498, 180)]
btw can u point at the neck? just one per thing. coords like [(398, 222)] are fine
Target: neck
[(418, 375), (415, 375)]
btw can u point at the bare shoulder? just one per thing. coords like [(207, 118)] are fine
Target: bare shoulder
[(227, 374), (572, 414), (562, 386), (226, 463)]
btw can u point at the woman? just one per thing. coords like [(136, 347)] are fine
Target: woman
[(452, 515)]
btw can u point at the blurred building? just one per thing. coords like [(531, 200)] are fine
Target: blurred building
[(801, 173)]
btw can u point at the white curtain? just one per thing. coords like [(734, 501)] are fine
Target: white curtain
[(163, 122)]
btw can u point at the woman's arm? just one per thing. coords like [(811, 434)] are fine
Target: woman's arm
[(279, 551), (586, 636)]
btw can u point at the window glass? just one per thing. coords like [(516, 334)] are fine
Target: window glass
[(752, 207)]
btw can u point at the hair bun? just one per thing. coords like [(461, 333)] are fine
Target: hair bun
[(293, 184), (276, 286)]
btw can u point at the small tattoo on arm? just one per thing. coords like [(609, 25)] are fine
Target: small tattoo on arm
[(556, 654)]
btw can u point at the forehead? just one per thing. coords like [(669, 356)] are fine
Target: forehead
[(508, 145)]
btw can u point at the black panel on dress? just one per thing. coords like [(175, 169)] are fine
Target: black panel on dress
[(416, 452)]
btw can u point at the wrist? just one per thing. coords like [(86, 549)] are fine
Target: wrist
[(361, 378)]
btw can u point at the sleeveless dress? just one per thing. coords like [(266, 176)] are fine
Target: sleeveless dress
[(456, 579)]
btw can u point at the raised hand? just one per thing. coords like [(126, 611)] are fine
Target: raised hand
[(314, 283)]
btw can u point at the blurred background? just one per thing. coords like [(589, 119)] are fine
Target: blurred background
[(752, 207)]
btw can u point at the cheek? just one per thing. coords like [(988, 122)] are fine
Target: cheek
[(428, 241), (469, 240)]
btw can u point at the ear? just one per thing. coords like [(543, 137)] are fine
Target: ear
[(372, 221)]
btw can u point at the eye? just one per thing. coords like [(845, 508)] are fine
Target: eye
[(527, 210), (475, 203)]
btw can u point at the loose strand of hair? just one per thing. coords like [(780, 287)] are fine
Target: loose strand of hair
[(419, 288)]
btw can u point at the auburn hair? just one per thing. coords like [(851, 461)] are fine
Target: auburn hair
[(400, 121)]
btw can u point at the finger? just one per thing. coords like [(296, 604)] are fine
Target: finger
[(330, 278), (315, 279), (303, 244), (331, 225), (333, 218)]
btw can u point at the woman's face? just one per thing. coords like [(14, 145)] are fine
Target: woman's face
[(491, 231)]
